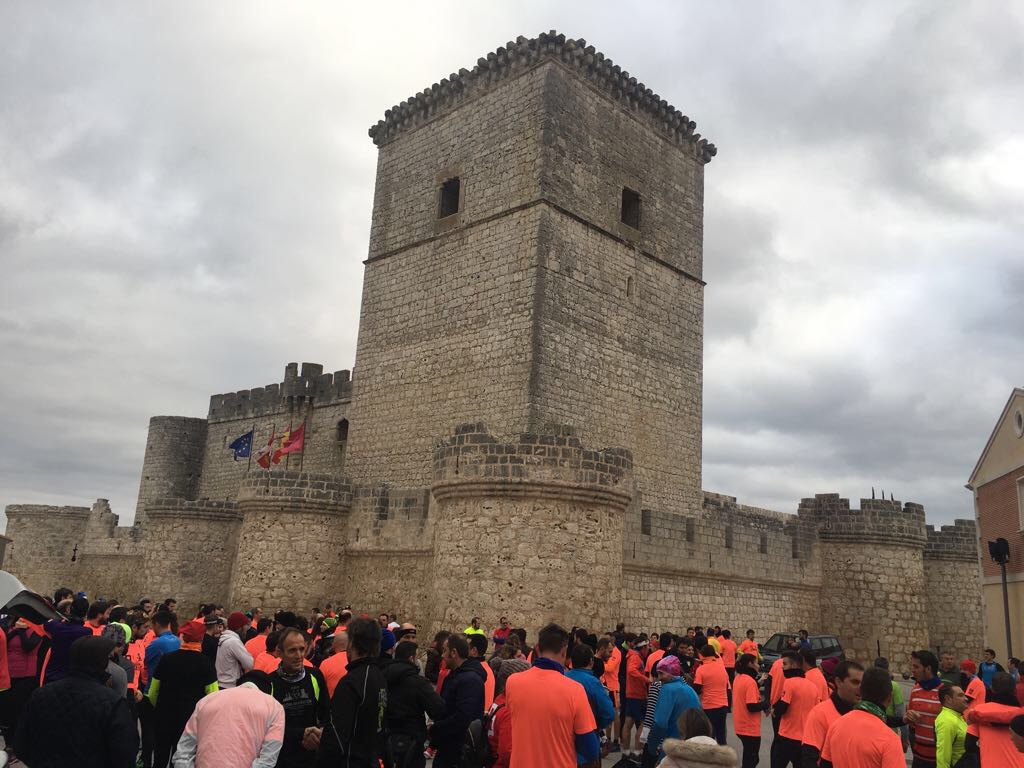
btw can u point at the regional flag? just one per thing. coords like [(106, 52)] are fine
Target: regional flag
[(291, 442), (266, 452), (242, 446)]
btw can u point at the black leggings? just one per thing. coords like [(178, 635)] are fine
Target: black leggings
[(751, 751), (717, 718), (786, 752)]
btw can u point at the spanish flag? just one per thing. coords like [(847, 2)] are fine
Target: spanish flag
[(291, 442)]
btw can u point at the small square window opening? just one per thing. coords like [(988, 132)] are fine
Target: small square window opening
[(449, 203), (630, 214)]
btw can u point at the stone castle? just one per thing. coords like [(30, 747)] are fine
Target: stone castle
[(532, 296)]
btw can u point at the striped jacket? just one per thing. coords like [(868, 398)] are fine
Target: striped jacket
[(924, 699)]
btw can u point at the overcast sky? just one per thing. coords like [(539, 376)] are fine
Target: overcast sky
[(185, 197)]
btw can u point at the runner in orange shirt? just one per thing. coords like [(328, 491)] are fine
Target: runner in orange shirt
[(987, 732), (848, 677), (728, 653), (334, 667), (750, 645), (861, 739), (747, 707), (799, 696), (257, 644), (612, 658), (635, 701), (712, 683), (552, 720), (813, 674)]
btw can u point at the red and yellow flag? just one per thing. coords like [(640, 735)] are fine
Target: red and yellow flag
[(291, 442)]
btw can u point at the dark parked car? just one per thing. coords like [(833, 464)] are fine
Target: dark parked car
[(824, 647)]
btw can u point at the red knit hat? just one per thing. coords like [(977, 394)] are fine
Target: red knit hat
[(237, 620), (193, 631), (968, 666)]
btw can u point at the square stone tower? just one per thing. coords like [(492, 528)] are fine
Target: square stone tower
[(535, 260)]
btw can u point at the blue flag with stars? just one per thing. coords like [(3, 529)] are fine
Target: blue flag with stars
[(242, 446)]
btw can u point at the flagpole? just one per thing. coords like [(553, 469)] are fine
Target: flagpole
[(302, 455), (252, 444)]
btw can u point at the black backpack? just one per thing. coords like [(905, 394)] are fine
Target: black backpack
[(476, 752)]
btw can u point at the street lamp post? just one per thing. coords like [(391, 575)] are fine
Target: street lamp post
[(1000, 552)]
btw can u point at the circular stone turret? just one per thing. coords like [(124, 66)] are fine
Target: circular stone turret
[(873, 589), (531, 530), (188, 550), (292, 539)]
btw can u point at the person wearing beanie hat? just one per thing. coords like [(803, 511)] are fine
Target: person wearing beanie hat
[(675, 696), (233, 660), (499, 733), (120, 669), (78, 720), (387, 642), (180, 680)]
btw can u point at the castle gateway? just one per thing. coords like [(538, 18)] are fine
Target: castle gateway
[(521, 434)]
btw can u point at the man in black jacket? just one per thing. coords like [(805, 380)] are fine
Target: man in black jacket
[(79, 720), (463, 694), (411, 697), (354, 736)]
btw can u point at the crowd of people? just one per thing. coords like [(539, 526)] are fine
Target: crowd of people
[(117, 686)]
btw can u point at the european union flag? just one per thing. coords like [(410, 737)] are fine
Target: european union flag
[(242, 446)]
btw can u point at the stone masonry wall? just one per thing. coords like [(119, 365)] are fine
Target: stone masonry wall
[(873, 580), (173, 462), (445, 329), (292, 539), (508, 514), (953, 588), (43, 543), (444, 337), (734, 565), (322, 400), (189, 549), (110, 561), (593, 148), (619, 356)]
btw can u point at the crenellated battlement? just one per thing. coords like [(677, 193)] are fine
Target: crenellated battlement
[(522, 54), (315, 488), (877, 521), (46, 511), (310, 384), (473, 454), (958, 541)]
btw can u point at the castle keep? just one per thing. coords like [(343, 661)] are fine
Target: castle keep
[(521, 431)]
